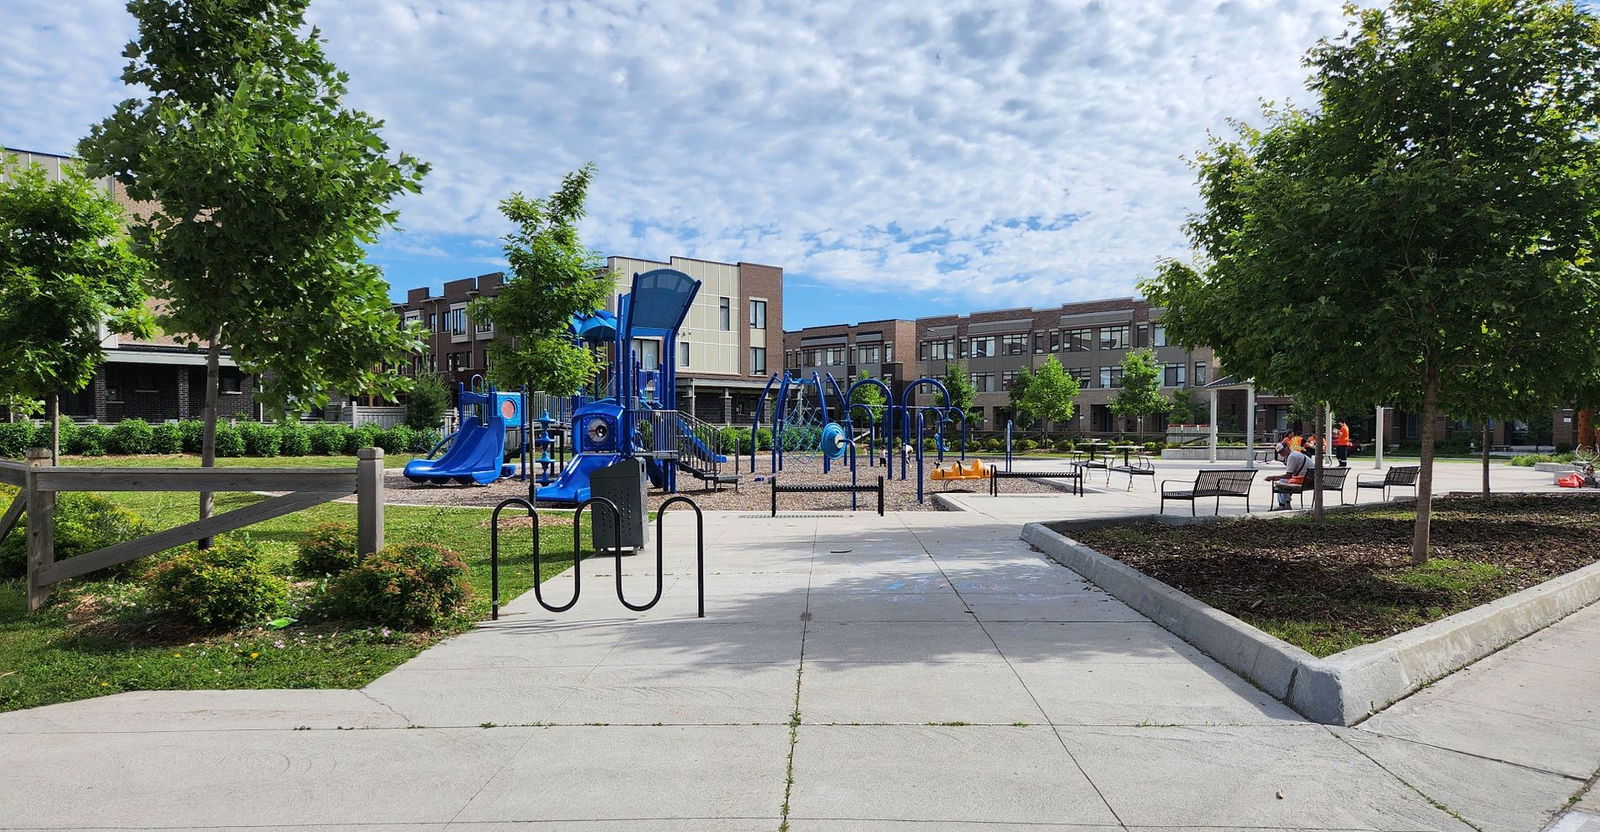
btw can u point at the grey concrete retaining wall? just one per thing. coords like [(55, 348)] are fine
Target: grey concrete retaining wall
[(1344, 688)]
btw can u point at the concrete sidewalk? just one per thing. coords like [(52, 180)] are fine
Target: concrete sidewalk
[(924, 670)]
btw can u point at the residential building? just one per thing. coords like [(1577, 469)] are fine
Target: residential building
[(885, 350), (1088, 338), (726, 349)]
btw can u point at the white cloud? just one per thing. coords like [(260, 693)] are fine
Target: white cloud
[(792, 133)]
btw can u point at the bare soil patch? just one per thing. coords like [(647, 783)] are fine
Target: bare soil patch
[(1351, 581)]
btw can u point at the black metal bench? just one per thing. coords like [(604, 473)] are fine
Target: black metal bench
[(1076, 475), (1400, 476), (1139, 466), (852, 490), (1217, 483), (1332, 480)]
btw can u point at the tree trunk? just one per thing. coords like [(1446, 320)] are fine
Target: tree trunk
[(1486, 459), (1430, 414), (1586, 438), (55, 428), (208, 437), (1316, 473)]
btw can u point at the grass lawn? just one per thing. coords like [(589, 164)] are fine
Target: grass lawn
[(1351, 581), (93, 641)]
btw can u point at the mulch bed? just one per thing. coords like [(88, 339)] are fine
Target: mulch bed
[(1352, 581), (753, 495)]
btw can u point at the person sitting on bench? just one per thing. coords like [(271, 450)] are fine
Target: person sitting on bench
[(1295, 465)]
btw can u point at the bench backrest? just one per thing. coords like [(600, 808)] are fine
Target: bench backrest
[(1231, 482), (1402, 475), (1333, 478)]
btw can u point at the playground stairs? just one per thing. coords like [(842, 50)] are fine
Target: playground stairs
[(698, 451)]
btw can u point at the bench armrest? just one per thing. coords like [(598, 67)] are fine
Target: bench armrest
[(1180, 482)]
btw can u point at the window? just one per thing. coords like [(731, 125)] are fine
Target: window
[(1114, 337), (1038, 343), (226, 382), (458, 322), (983, 382), (888, 353), (868, 354), (1158, 335), (758, 314), (433, 322), (485, 326), (1007, 378), (936, 350), (813, 358), (1077, 340), (452, 361), (1199, 373), (1110, 377), (1084, 375), (1175, 375), (833, 356), (1055, 340), (649, 354), (725, 314), (1141, 336), (1014, 344), (683, 354), (983, 347), (758, 361)]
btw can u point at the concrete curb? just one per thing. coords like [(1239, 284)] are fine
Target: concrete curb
[(1342, 689)]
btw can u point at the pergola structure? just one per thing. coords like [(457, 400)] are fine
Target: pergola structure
[(1249, 388)]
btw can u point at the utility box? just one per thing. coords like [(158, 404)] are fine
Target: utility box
[(624, 484)]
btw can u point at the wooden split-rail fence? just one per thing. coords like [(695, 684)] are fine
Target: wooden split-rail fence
[(304, 487)]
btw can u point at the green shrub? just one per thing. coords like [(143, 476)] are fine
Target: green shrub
[(229, 442), (1023, 446), (130, 436), (1563, 447), (407, 585), (1529, 460), (396, 439), (328, 438), (227, 585), (326, 549), (89, 440), (67, 433), (365, 436), (84, 522), (422, 441), (764, 439), (296, 439), (166, 438), (260, 439), (1064, 445), (193, 433), (17, 437), (427, 402)]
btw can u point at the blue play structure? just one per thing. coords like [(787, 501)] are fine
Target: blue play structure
[(476, 452), (633, 409)]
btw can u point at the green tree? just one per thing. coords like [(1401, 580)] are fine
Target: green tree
[(1139, 394), (1050, 393), (1182, 408), (1020, 412), (867, 394), (552, 278), (959, 384), (65, 268), (264, 189), (1425, 235), (427, 402)]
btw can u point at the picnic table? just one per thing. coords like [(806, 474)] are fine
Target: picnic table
[(1126, 451)]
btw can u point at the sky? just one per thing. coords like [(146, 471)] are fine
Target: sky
[(897, 158)]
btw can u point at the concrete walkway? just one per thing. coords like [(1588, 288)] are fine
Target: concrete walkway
[(920, 671)]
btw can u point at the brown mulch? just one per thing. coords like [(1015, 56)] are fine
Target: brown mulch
[(1352, 579), (753, 494)]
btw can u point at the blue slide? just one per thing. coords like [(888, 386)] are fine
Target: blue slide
[(573, 485), (476, 455), (700, 447)]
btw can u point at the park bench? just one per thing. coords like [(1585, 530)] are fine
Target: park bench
[(1139, 466), (1076, 475), (820, 488), (1217, 483), (1400, 476), (1332, 480)]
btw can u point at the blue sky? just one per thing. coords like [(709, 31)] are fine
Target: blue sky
[(895, 158)]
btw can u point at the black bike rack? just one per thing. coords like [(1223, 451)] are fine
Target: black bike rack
[(827, 489), (577, 571)]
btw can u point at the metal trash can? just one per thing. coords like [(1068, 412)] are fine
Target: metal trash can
[(624, 484)]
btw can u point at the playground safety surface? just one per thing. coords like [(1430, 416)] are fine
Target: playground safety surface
[(922, 670), (753, 493)]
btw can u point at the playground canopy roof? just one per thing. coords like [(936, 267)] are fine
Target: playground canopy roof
[(658, 303)]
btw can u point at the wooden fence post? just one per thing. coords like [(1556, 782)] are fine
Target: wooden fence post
[(41, 507), (369, 500)]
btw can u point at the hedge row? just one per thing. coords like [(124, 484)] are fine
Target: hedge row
[(263, 439)]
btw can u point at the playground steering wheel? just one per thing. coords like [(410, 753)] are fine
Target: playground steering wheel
[(598, 431)]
